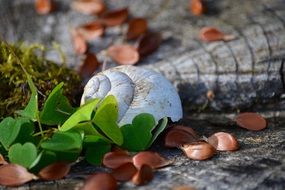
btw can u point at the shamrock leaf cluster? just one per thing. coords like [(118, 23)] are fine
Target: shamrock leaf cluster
[(59, 132)]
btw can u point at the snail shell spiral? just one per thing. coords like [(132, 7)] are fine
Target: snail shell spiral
[(137, 90)]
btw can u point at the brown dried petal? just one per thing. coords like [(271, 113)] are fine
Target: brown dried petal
[(149, 43), (123, 54), (176, 138), (197, 7), (143, 175), (44, 6), (137, 27), (223, 141), (210, 34), (2, 160), (100, 181), (116, 159), (91, 30), (55, 171), (89, 7), (186, 129), (89, 66), (124, 172), (79, 42), (199, 150), (115, 17), (152, 159), (14, 175), (251, 121)]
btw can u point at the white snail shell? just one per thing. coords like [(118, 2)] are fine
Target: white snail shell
[(137, 90)]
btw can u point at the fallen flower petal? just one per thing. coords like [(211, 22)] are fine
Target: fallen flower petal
[(89, 66), (124, 172), (89, 7), (115, 17), (197, 7), (15, 175), (149, 43), (199, 150), (55, 171), (251, 121), (116, 159), (176, 138), (223, 141), (79, 42), (137, 27), (143, 175), (124, 54), (91, 30), (44, 6), (100, 181), (152, 159), (210, 34)]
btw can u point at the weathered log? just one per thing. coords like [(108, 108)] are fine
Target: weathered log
[(242, 73)]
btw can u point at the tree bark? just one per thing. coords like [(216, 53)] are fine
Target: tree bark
[(241, 73)]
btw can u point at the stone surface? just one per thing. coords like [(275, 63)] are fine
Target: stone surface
[(244, 73)]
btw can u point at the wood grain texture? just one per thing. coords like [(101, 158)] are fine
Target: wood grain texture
[(242, 73)]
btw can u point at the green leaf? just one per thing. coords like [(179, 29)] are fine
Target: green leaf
[(63, 141), (158, 129), (27, 128), (3, 151), (138, 134), (106, 119), (89, 129), (84, 113), (23, 155), (57, 108), (8, 131), (67, 156), (31, 110), (96, 148), (44, 159)]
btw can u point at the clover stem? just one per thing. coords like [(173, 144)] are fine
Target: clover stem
[(40, 126)]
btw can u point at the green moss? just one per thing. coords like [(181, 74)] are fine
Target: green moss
[(14, 90)]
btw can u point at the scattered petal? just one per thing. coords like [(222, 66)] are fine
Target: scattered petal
[(91, 30), (199, 150), (89, 66), (55, 171), (186, 129), (44, 6), (143, 175), (152, 159), (210, 95), (79, 42), (116, 159), (89, 7), (210, 34), (100, 181), (149, 43), (137, 27), (176, 138), (223, 141), (115, 17), (124, 172), (124, 54), (197, 7), (15, 175), (251, 121)]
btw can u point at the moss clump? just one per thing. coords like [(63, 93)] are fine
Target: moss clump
[(14, 90)]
